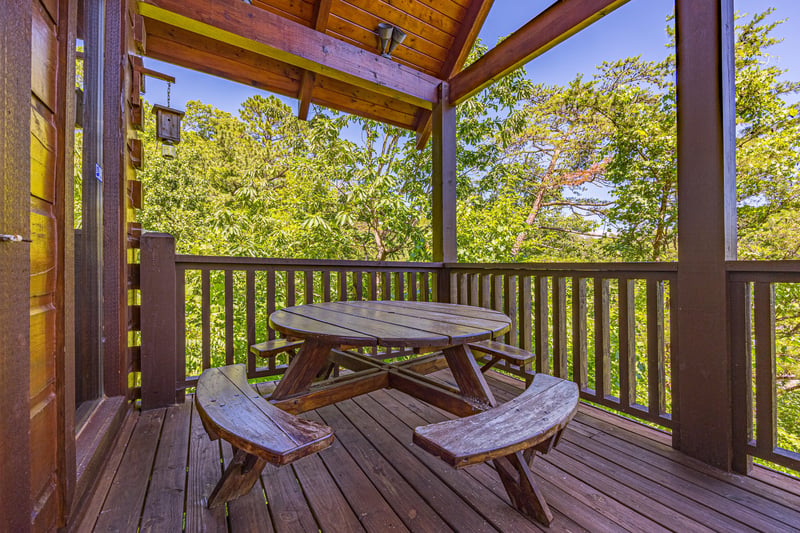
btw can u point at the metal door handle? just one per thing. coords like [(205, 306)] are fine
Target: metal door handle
[(7, 237)]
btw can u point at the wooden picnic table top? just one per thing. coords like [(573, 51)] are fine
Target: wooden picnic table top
[(390, 323)]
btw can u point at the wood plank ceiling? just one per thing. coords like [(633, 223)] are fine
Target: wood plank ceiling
[(328, 51)]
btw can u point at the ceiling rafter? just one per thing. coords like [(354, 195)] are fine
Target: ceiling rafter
[(467, 34), (322, 12), (272, 36), (553, 25)]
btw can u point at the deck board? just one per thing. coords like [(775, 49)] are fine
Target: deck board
[(607, 474)]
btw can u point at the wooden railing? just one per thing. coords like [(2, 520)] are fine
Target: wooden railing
[(610, 327), (605, 326), (209, 288), (753, 321), (212, 309)]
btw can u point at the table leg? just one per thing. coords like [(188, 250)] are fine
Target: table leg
[(311, 358), (468, 374)]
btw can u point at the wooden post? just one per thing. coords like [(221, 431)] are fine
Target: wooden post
[(741, 374), (15, 183), (706, 226), (444, 179), (115, 275), (159, 324)]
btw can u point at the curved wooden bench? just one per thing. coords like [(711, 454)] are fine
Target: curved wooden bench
[(258, 431), (509, 434)]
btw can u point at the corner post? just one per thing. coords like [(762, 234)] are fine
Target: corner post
[(159, 324), (706, 226), (444, 178)]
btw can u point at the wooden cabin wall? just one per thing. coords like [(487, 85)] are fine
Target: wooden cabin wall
[(15, 54), (52, 115)]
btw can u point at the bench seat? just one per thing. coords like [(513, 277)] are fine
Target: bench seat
[(509, 435), (274, 347), (259, 432), (499, 350)]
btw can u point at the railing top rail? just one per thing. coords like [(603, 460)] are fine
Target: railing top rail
[(787, 267), (593, 268), (200, 261)]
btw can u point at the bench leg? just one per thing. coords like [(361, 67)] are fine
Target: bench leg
[(521, 488), (240, 476)]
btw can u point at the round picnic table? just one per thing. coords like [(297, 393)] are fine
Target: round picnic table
[(328, 325)]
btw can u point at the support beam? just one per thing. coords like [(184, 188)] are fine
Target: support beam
[(550, 27), (323, 10), (257, 30), (444, 179), (304, 95), (706, 226)]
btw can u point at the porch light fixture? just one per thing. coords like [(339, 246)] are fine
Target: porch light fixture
[(168, 127), (390, 37)]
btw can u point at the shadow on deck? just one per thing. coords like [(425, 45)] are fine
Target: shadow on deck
[(607, 474)]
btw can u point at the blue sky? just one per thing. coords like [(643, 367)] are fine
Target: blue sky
[(636, 28)]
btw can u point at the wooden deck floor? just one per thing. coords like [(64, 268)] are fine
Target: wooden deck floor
[(607, 474)]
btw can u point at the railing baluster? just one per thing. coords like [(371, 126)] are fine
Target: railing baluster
[(673, 363), (602, 342), (541, 341), (497, 292), (180, 319), (228, 316), (373, 285), (412, 286), (308, 285), (463, 288), (579, 359), (560, 327), (205, 288), (290, 288), (426, 292), (271, 296), (525, 305), (510, 308), (452, 278), (326, 285), (250, 313), (655, 347), (358, 280), (627, 342), (741, 375), (486, 290), (386, 286), (343, 294), (473, 289), (766, 412), (400, 286)]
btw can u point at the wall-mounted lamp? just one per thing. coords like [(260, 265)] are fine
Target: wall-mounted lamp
[(389, 37)]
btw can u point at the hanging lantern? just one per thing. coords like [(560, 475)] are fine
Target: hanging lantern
[(168, 129)]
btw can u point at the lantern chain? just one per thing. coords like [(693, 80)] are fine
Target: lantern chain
[(169, 89)]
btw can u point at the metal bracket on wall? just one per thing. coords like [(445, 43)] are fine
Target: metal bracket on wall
[(7, 237)]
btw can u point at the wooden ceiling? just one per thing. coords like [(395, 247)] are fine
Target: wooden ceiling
[(326, 51)]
